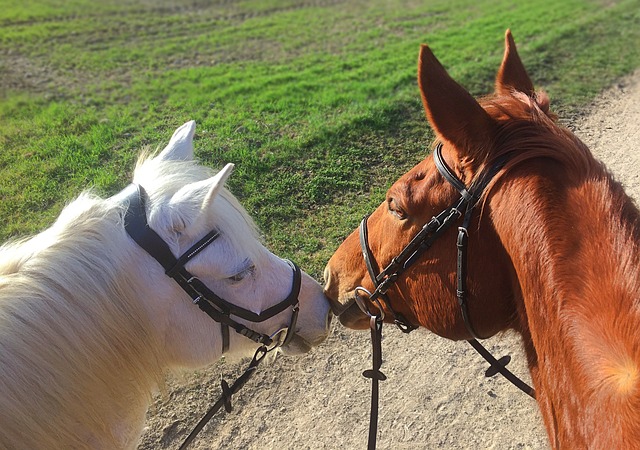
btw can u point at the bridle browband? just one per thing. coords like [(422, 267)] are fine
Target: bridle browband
[(220, 310), (420, 243)]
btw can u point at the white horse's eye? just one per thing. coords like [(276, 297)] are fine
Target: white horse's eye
[(248, 269)]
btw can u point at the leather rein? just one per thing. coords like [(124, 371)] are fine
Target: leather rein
[(419, 244), (219, 309)]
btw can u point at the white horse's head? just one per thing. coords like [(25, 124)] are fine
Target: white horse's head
[(185, 202)]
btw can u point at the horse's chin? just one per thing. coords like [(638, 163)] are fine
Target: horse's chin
[(349, 313), (354, 318)]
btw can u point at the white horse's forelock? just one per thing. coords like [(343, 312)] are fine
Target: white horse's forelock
[(68, 315), (162, 179)]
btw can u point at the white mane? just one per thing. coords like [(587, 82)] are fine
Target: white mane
[(62, 311)]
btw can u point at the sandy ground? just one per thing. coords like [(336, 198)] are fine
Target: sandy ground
[(436, 395)]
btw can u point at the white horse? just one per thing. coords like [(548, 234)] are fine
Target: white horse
[(90, 323)]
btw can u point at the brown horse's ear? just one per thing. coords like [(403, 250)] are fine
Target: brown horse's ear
[(512, 74), (452, 112)]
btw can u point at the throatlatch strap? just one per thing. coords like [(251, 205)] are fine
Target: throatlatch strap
[(461, 271), (497, 366)]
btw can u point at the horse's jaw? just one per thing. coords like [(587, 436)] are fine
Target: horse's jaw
[(353, 317)]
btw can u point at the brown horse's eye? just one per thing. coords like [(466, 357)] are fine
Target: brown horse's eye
[(396, 209)]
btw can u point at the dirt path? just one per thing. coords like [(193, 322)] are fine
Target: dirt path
[(436, 395)]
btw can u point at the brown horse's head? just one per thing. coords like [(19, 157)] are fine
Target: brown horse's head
[(553, 252), (425, 294)]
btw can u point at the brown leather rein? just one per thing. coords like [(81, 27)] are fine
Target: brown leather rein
[(420, 243)]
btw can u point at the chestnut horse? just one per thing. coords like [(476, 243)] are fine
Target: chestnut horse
[(553, 252)]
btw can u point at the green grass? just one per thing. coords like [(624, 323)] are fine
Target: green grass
[(316, 104)]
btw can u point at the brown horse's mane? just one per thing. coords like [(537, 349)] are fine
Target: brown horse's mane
[(528, 130)]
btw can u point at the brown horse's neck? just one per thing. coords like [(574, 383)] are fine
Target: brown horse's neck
[(574, 245)]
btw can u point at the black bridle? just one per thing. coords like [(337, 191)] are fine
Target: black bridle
[(219, 309), (420, 243)]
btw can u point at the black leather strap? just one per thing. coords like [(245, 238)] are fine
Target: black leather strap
[(136, 225), (496, 366), (383, 280), (227, 393), (448, 174), (423, 240), (220, 310), (193, 251)]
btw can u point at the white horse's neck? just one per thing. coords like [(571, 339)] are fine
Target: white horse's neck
[(76, 313), (89, 322)]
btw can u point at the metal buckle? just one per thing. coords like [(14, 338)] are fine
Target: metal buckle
[(384, 285), (279, 337), (285, 334), (360, 301)]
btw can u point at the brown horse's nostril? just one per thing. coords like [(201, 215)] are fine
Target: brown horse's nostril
[(330, 288)]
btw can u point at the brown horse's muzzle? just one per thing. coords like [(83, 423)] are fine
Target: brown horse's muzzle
[(343, 304), (354, 318)]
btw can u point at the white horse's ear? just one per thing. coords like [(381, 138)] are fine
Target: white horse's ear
[(204, 191), (217, 182), (180, 147)]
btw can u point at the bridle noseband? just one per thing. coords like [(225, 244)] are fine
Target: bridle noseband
[(419, 244), (219, 309)]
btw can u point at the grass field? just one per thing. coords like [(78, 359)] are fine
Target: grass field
[(314, 101)]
